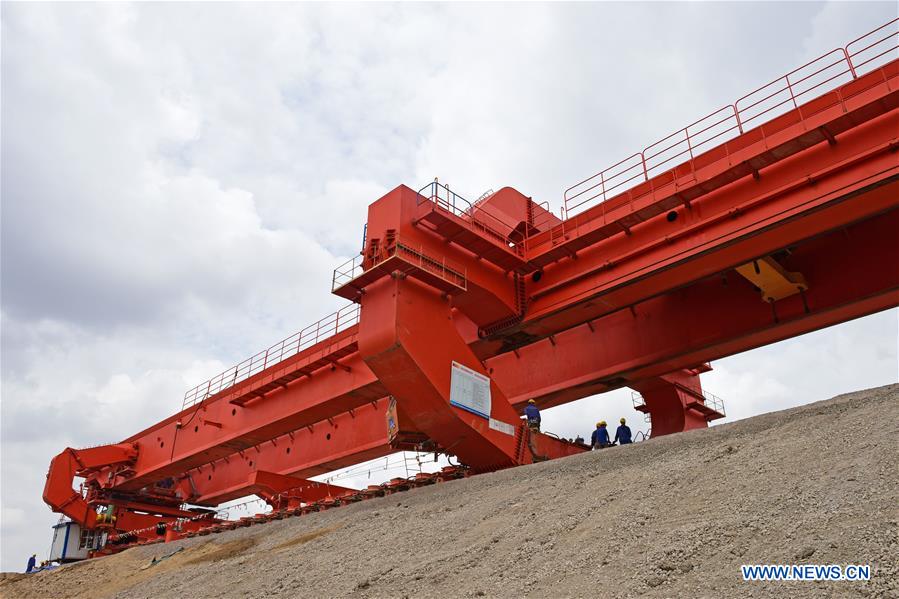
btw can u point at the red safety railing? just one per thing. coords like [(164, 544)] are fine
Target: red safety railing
[(714, 402), (785, 93), (415, 255), (481, 220), (316, 332), (477, 217), (709, 399), (544, 219), (412, 253), (346, 272)]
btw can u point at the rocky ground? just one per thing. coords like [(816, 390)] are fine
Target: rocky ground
[(672, 517)]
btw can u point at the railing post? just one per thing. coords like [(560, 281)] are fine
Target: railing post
[(689, 146), (849, 62), (645, 172), (790, 88), (737, 116)]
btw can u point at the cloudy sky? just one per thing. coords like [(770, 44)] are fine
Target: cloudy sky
[(178, 181)]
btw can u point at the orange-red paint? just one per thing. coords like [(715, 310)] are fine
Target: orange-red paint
[(637, 290)]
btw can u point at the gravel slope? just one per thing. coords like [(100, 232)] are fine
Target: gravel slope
[(672, 517)]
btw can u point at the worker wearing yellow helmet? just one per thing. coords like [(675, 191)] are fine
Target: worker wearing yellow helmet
[(532, 413), (600, 437), (623, 433)]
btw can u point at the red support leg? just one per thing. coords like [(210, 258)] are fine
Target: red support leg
[(409, 341), (667, 399)]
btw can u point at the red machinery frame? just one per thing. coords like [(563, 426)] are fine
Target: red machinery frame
[(727, 235)]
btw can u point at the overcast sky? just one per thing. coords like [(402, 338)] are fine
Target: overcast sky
[(179, 180)]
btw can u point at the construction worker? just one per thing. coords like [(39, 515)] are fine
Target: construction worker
[(31, 562), (600, 437), (532, 413), (623, 433)]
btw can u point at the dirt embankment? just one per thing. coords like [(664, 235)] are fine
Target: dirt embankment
[(672, 517)]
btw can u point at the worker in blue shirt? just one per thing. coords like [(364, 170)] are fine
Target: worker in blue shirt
[(600, 437), (623, 433), (532, 413), (31, 562)]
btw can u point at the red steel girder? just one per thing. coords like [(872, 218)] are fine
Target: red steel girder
[(343, 440), (724, 231), (851, 272), (189, 439)]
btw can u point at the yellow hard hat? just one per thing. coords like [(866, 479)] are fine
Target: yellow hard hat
[(601, 423), (622, 421), (531, 401)]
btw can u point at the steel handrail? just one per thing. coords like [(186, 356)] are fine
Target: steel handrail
[(790, 87), (484, 196), (686, 133), (793, 72), (869, 46), (436, 266), (349, 270), (740, 114), (709, 399), (877, 56), (478, 208), (346, 272), (639, 434), (327, 327), (861, 37), (601, 175), (714, 402), (544, 218), (466, 213)]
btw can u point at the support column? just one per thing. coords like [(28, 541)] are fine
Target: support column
[(408, 339), (667, 399), (408, 336)]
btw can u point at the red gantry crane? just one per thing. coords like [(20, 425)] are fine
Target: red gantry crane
[(772, 217)]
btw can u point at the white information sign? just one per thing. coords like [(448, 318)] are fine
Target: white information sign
[(470, 390), (503, 427)]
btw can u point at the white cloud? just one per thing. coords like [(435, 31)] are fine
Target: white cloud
[(179, 180)]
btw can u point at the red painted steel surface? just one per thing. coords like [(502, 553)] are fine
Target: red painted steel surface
[(637, 288)]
